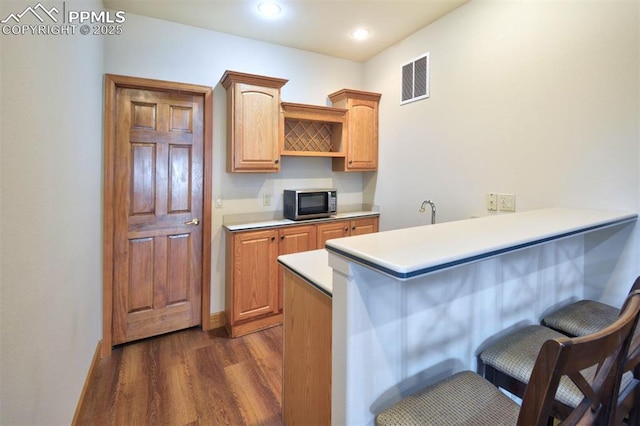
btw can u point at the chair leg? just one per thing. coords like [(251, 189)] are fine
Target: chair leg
[(481, 366), (490, 374)]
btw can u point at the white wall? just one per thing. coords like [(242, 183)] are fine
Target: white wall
[(51, 220), (537, 99), (152, 48)]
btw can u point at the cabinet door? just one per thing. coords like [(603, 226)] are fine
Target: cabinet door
[(362, 141), (255, 129), (329, 230), (294, 240), (364, 226), (254, 274)]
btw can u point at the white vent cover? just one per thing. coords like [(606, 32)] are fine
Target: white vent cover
[(415, 79)]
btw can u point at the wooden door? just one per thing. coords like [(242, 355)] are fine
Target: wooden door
[(254, 275), (329, 230), (294, 239), (158, 178)]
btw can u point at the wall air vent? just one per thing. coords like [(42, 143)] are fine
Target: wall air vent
[(415, 79)]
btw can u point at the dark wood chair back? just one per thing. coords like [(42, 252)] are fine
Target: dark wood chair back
[(568, 357)]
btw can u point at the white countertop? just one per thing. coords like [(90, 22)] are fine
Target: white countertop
[(313, 266), (243, 224), (411, 252)]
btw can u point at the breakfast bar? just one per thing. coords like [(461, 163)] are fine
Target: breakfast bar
[(411, 306)]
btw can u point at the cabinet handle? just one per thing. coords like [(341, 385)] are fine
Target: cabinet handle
[(350, 161), (353, 228), (282, 237), (276, 161), (273, 238), (346, 229)]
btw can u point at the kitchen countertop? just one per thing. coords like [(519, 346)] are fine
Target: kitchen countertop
[(241, 223), (412, 252), (312, 266)]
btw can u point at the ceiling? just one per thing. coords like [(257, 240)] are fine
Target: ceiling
[(321, 26)]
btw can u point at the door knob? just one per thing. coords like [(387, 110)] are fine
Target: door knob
[(194, 221)]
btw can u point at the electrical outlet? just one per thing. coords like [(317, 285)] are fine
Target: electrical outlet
[(507, 202), (266, 200), (492, 201), (219, 201)]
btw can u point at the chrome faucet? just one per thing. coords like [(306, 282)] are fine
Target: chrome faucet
[(433, 209)]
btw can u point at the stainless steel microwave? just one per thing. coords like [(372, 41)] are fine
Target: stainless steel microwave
[(300, 204)]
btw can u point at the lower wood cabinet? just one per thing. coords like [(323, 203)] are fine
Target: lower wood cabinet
[(345, 228), (251, 281), (293, 239), (254, 281)]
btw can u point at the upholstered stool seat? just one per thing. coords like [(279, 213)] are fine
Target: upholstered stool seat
[(515, 355), (581, 318), (462, 399)]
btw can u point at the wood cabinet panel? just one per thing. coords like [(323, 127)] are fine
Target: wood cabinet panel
[(364, 226), (254, 127), (294, 239), (306, 380), (345, 228), (254, 274), (361, 128), (362, 135), (329, 230)]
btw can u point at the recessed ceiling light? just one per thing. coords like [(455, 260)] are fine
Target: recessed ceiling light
[(360, 33), (269, 9)]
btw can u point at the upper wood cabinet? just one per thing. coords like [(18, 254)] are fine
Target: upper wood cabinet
[(254, 127), (362, 130), (260, 128)]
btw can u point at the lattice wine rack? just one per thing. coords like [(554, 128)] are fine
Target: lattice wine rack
[(313, 130)]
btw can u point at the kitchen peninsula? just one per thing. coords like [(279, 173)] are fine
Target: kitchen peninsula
[(414, 305)]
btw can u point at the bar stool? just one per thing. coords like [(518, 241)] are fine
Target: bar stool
[(509, 362), (588, 316), (467, 398)]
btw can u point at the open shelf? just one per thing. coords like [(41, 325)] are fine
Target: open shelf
[(311, 130)]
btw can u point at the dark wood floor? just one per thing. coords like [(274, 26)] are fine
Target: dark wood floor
[(189, 377)]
